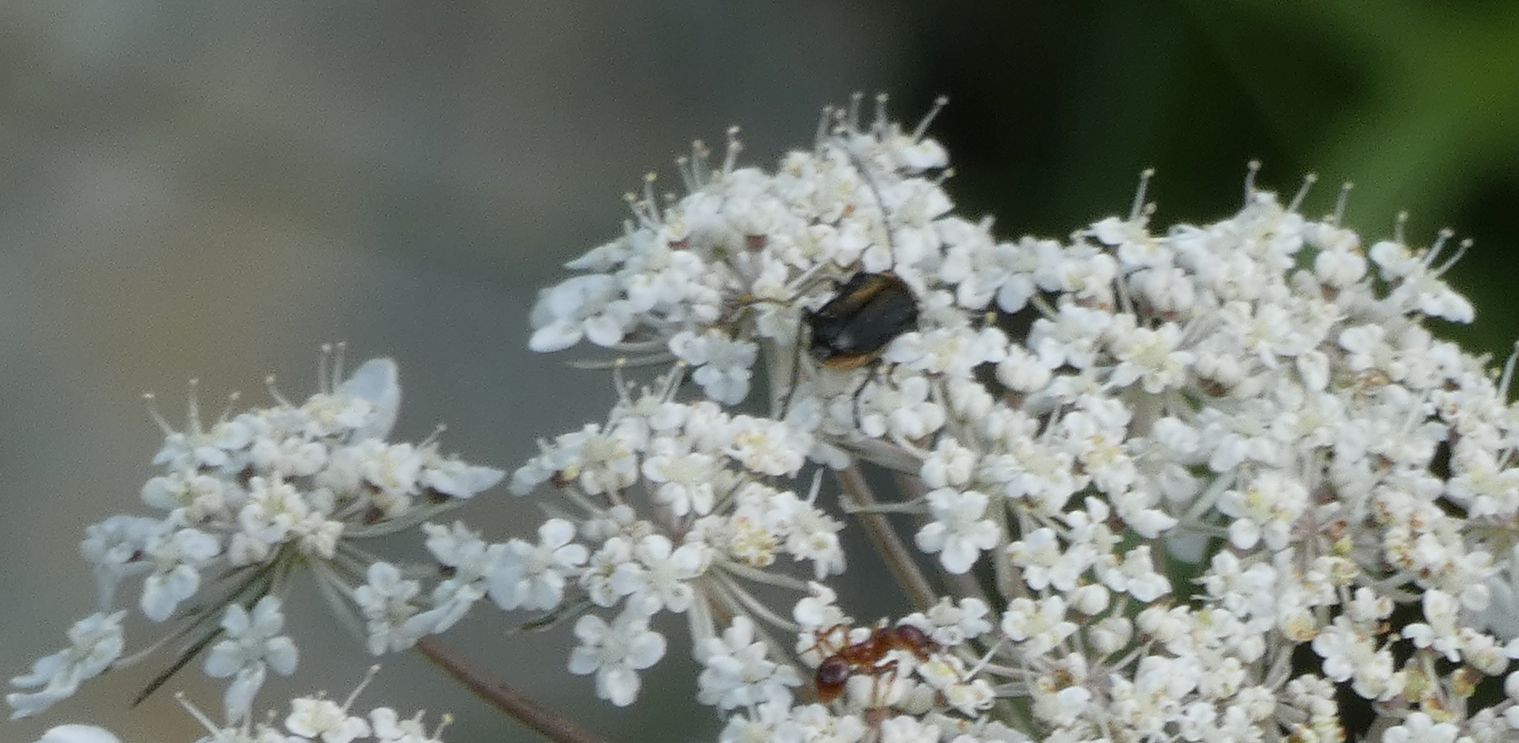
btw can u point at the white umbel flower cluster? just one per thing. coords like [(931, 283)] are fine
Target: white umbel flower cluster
[(1191, 478), (312, 719), (244, 502), (678, 509), (1208, 483)]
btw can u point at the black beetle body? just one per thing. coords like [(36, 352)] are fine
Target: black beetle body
[(853, 328)]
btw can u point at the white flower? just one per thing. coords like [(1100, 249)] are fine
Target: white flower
[(95, 643), (385, 600), (1039, 625), (616, 652), (722, 365), (252, 645), (470, 564), (1421, 728), (389, 727), (579, 307), (176, 559), (958, 532), (324, 719), (531, 576), (737, 673), (78, 734), (685, 478), (454, 477), (659, 576)]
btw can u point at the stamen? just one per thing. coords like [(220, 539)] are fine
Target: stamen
[(368, 677), (338, 359), (734, 147), (192, 407), (1302, 192), (880, 124), (274, 392), (853, 120), (226, 413), (323, 373), (1137, 210), (448, 719), (432, 438), (1508, 372), (1400, 228), (817, 485), (687, 178), (824, 117), (928, 118), (650, 203), (698, 159), (1341, 202), (619, 380), (985, 659), (195, 712), (1461, 249), (163, 423), (1434, 250), (631, 199), (947, 174), (1252, 168)]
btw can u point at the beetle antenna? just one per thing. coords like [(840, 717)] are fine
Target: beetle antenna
[(875, 192)]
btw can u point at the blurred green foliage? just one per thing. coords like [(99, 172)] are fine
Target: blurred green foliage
[(1056, 108)]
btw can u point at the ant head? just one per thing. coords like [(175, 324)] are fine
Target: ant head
[(833, 672)]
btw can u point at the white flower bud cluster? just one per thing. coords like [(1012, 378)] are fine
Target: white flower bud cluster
[(1158, 463), (242, 504)]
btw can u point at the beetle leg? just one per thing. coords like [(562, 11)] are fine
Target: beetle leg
[(796, 367)]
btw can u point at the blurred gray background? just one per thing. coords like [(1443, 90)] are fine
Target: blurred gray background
[(213, 190)]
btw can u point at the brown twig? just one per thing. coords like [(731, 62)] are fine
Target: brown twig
[(886, 539), (551, 724)]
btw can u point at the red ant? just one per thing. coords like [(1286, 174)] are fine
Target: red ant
[(864, 657)]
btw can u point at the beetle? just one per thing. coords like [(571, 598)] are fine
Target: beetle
[(852, 329)]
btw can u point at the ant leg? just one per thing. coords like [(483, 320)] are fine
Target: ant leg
[(821, 641), (887, 671)]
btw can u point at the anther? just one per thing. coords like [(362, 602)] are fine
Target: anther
[(1400, 228)]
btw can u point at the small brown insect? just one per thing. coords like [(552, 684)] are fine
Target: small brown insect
[(865, 657)]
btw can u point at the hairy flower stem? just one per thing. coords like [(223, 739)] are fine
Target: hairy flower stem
[(551, 724), (886, 540)]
